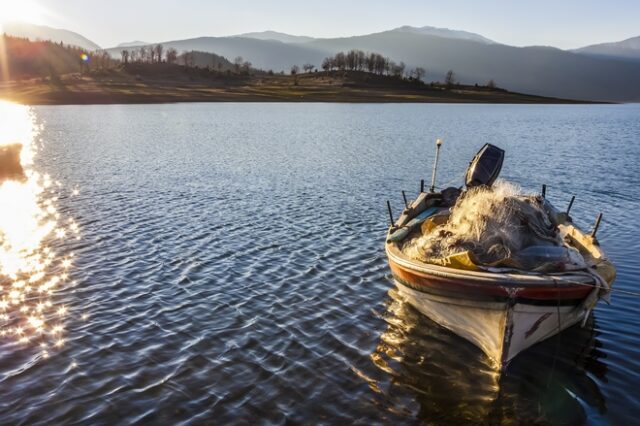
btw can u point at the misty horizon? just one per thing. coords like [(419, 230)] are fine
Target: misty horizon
[(572, 25)]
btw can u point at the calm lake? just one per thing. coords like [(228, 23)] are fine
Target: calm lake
[(230, 267)]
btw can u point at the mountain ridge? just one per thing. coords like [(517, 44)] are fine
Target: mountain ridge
[(277, 36), (445, 32), (625, 49), (134, 43), (475, 59), (43, 32), (543, 71)]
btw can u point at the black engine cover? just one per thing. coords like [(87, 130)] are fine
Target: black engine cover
[(485, 166)]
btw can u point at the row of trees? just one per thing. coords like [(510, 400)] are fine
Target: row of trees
[(153, 54), (353, 60), (241, 66), (150, 54), (358, 60)]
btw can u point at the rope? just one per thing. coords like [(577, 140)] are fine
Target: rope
[(447, 184), (627, 292)]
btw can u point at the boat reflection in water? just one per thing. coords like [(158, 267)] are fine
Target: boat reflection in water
[(436, 376), (31, 232)]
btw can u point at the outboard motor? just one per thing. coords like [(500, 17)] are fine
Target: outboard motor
[(485, 166)]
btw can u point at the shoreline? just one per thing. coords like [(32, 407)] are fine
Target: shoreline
[(119, 88)]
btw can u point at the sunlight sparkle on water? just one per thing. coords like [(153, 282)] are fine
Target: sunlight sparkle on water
[(30, 271)]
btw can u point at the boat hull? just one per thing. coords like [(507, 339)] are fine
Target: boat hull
[(502, 314), (502, 329)]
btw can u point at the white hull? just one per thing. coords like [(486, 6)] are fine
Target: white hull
[(500, 329)]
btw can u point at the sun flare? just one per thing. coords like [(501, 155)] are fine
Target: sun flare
[(21, 11)]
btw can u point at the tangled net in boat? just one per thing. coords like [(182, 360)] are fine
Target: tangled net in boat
[(494, 224)]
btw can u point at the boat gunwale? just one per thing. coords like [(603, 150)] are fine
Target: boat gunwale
[(514, 280)]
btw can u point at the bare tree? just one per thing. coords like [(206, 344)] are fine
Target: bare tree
[(380, 64), (351, 59), (491, 84), (171, 56), (125, 56), (371, 62), (158, 49), (360, 60), (340, 61), (419, 73), (295, 70), (102, 59), (143, 53), (308, 67), (398, 69), (246, 67), (237, 63), (450, 78), (327, 64), (189, 59)]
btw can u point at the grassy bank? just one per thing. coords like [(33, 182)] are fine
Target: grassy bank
[(173, 83)]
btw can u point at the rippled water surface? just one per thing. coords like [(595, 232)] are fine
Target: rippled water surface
[(231, 268)]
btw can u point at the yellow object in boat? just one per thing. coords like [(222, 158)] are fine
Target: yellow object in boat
[(463, 260), (433, 222)]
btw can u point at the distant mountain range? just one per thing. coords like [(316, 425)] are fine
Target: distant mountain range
[(444, 32), (608, 72), (43, 32), (133, 43), (274, 35), (625, 49)]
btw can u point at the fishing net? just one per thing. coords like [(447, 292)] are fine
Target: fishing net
[(497, 226)]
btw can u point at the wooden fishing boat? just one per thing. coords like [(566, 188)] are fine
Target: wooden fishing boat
[(502, 311)]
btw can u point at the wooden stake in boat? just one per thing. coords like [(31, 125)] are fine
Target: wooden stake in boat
[(544, 191), (597, 225), (404, 197), (390, 213), (573, 198), (421, 185), (435, 165)]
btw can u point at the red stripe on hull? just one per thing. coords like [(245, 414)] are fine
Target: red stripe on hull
[(468, 288)]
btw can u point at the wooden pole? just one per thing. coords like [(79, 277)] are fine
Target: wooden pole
[(435, 165), (573, 198), (390, 213), (597, 225)]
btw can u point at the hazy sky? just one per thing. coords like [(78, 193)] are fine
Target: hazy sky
[(560, 23)]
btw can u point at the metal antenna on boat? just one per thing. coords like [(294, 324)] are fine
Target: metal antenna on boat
[(390, 213), (573, 198), (597, 225), (404, 197), (435, 165)]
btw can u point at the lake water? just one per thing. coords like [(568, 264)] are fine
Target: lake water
[(231, 269)]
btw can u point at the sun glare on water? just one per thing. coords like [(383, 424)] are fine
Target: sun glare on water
[(30, 269)]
